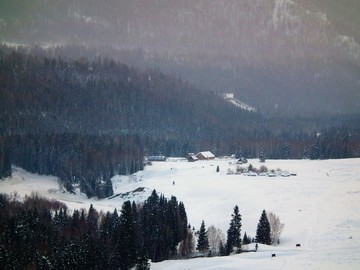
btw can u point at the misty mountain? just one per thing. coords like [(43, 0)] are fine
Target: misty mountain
[(300, 57), (344, 15)]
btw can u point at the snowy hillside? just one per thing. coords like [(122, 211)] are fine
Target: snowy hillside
[(319, 207)]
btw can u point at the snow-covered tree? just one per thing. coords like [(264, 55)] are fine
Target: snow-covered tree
[(263, 230), (215, 237), (276, 227)]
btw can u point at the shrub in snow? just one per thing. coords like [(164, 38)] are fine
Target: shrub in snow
[(263, 169)]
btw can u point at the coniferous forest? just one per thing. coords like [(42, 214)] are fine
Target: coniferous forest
[(86, 120), (42, 234)]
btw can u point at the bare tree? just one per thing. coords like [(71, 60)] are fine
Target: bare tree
[(276, 227), (215, 237)]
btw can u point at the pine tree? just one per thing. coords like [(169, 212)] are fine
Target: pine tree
[(92, 219), (142, 262), (152, 226), (239, 153), (203, 242), (5, 163), (222, 249), (263, 230), (246, 239), (172, 221), (287, 151), (234, 232), (262, 154), (127, 238), (183, 222), (306, 154)]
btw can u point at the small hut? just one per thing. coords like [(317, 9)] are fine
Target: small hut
[(192, 157), (206, 155)]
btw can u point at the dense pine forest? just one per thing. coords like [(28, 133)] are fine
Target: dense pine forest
[(42, 234), (86, 120)]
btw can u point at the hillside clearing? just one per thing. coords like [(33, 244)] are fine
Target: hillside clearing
[(319, 206)]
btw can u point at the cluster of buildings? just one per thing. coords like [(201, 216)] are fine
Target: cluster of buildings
[(205, 155)]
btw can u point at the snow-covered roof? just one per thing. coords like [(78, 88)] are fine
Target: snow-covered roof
[(192, 156), (156, 158), (206, 154)]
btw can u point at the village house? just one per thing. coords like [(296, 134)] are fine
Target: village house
[(192, 157)]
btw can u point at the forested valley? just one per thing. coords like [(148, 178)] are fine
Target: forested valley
[(86, 120)]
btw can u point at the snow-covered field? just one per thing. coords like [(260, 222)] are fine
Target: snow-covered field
[(320, 207)]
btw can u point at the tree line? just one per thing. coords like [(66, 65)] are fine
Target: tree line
[(212, 243), (38, 233), (88, 161)]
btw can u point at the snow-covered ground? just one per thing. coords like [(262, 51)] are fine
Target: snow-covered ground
[(320, 207)]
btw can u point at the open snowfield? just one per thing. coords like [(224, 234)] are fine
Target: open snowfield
[(320, 207)]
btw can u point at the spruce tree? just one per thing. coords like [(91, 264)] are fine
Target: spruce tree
[(152, 227), (262, 154), (142, 262), (287, 151), (127, 238), (203, 242), (222, 249), (246, 239), (263, 230), (92, 219), (306, 154), (234, 232), (183, 222)]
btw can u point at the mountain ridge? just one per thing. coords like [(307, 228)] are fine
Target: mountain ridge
[(282, 51)]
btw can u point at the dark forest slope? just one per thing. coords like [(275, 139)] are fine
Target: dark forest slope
[(105, 97), (86, 121)]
